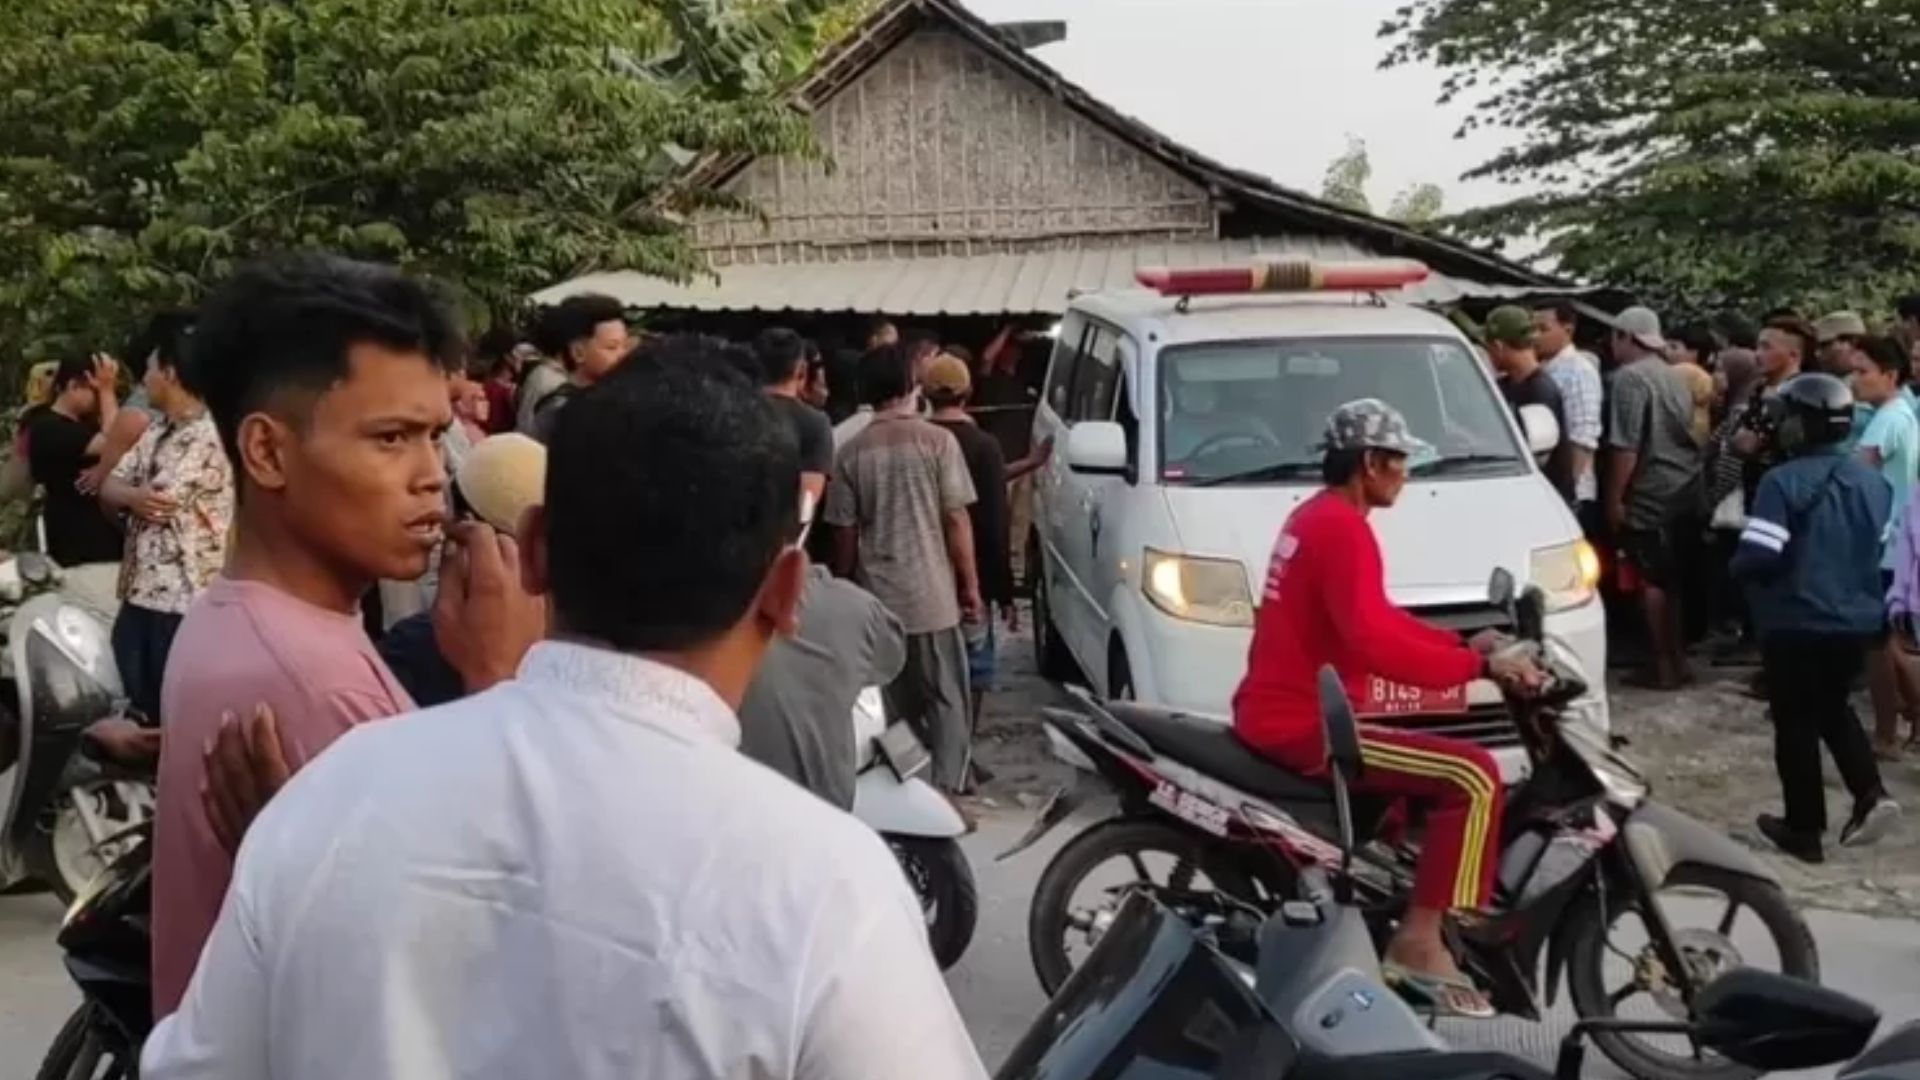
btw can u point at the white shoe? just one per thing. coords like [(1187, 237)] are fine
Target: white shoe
[(1870, 824)]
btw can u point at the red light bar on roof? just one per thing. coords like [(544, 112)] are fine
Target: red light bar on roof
[(1283, 275)]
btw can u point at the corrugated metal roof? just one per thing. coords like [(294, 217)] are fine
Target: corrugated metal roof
[(1030, 283)]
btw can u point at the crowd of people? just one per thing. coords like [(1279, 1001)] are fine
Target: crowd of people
[(322, 509), (1749, 486), (583, 553)]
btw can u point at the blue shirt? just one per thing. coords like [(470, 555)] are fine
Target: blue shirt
[(1894, 431), (1810, 553)]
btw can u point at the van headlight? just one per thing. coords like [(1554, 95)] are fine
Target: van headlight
[(1211, 591), (1567, 573)]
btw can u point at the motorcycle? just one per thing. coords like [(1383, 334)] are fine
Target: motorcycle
[(108, 952), (1298, 994), (1583, 848), (62, 810), (919, 825)]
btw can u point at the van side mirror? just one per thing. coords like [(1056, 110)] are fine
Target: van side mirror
[(1097, 447), (1775, 1023), (1542, 429), (1501, 587)]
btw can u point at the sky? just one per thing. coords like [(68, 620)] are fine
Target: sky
[(1274, 86)]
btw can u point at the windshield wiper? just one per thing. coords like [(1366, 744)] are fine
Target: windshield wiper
[(1461, 463), (1277, 470)]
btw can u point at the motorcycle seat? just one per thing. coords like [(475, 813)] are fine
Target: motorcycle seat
[(1211, 747)]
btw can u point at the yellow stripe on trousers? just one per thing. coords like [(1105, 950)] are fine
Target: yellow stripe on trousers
[(1479, 788)]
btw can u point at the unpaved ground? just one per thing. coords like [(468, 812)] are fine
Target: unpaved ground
[(1708, 750)]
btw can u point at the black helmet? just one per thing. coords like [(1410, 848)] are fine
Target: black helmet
[(1811, 410)]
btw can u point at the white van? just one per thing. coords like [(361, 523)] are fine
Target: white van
[(1184, 436)]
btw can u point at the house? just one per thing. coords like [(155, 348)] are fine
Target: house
[(963, 177)]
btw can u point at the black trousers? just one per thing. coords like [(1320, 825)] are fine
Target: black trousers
[(1809, 680), (142, 639)]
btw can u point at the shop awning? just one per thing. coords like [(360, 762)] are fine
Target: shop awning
[(1027, 283)]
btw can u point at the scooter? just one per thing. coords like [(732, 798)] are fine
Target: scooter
[(1583, 845), (1238, 994), (107, 949), (919, 824), (62, 812)]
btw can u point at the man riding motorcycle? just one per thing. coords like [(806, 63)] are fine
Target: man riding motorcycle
[(1325, 602)]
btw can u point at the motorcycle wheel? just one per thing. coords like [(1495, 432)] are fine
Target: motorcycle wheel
[(1052, 919), (943, 880), (87, 1049), (1709, 952)]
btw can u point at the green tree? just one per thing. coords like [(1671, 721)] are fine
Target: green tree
[(1699, 151), (499, 145), (1420, 204), (1347, 176)]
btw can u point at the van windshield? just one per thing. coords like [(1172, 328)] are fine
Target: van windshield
[(1255, 411)]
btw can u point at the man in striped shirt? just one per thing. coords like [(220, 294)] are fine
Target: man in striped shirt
[(1577, 374)]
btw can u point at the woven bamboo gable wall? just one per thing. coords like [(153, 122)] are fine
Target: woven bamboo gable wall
[(940, 149)]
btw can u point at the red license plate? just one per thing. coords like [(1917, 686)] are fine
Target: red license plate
[(1387, 698)]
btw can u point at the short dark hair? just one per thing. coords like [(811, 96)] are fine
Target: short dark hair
[(1562, 310), (1778, 314), (780, 351), (1738, 330), (164, 335), (1888, 354), (1908, 306), (574, 319), (495, 345), (943, 398), (1697, 338), (1797, 327), (740, 358), (886, 374), (72, 369), (1339, 466), (288, 322), (672, 486)]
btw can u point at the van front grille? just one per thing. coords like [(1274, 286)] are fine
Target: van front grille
[(1488, 725)]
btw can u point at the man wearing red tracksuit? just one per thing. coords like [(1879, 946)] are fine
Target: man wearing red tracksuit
[(1325, 602)]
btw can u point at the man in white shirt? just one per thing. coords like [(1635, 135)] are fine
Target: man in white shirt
[(1577, 375), (576, 874)]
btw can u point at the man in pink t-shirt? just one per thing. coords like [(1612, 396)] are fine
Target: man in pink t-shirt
[(327, 381)]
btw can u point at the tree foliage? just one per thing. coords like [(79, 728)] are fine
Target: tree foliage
[(1419, 204), (1347, 177), (1699, 151), (500, 145), (1349, 174)]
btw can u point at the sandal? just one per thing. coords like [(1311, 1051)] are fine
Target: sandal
[(1451, 996)]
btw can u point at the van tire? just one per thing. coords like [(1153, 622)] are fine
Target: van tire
[(1056, 664)]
